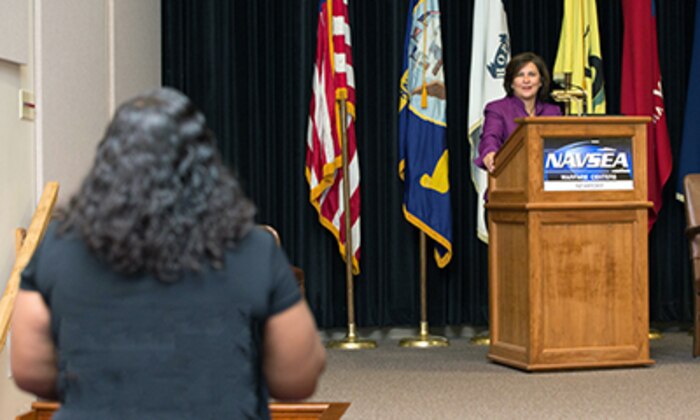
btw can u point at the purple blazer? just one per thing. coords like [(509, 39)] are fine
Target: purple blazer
[(499, 122)]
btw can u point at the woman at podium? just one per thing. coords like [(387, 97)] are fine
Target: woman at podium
[(526, 83)]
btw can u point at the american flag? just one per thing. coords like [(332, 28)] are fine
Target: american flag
[(333, 79)]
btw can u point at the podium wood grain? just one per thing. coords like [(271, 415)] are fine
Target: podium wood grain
[(43, 410), (568, 280)]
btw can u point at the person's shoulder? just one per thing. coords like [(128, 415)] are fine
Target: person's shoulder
[(258, 237), (58, 235), (255, 245), (52, 233), (498, 105), (61, 245)]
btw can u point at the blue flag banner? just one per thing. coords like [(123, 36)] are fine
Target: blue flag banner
[(689, 160), (423, 156)]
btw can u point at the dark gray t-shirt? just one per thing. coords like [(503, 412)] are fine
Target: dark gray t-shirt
[(135, 347)]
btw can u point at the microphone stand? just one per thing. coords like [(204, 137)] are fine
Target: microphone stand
[(571, 93)]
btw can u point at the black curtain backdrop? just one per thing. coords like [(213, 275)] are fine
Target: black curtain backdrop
[(247, 65)]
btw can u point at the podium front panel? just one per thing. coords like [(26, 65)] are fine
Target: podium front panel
[(591, 302), (568, 271)]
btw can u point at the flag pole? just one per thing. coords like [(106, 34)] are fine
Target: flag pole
[(350, 342), (424, 339)]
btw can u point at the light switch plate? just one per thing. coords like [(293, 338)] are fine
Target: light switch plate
[(27, 107)]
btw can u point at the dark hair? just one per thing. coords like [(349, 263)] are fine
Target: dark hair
[(158, 199), (516, 63)]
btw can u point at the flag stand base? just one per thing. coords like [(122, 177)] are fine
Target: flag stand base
[(351, 342), (481, 339), (424, 340)]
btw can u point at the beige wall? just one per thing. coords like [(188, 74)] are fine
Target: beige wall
[(135, 69), (72, 88), (84, 57), (17, 195), (14, 27), (82, 77)]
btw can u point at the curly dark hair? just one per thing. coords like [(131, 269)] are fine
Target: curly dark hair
[(518, 62), (158, 199)]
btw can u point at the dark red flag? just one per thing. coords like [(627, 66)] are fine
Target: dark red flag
[(641, 92)]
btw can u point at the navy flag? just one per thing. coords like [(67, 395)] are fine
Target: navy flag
[(689, 160), (423, 157)]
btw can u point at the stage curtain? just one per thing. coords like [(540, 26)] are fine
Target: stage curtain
[(247, 65)]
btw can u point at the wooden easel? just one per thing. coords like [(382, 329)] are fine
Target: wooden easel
[(26, 242)]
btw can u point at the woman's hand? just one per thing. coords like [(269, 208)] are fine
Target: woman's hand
[(489, 161)]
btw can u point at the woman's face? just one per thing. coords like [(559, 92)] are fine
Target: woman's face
[(527, 82)]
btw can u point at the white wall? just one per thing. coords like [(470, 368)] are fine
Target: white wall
[(84, 57), (91, 56), (135, 69), (72, 88), (17, 180), (14, 27)]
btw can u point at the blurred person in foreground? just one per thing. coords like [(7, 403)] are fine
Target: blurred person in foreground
[(154, 296), (527, 84)]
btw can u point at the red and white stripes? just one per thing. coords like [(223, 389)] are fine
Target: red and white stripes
[(333, 80)]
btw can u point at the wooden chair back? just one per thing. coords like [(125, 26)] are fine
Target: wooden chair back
[(691, 185)]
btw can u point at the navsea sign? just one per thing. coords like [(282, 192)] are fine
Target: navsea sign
[(575, 164)]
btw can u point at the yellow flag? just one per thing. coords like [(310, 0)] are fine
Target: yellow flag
[(579, 54)]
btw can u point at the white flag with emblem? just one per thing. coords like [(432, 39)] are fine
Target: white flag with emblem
[(490, 55)]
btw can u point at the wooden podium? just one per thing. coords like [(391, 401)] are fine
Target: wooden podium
[(44, 410), (568, 273)]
